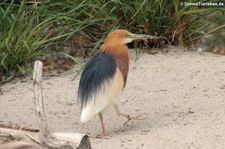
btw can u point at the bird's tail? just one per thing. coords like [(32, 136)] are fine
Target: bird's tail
[(93, 107), (87, 114)]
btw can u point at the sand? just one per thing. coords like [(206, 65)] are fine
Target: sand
[(181, 95)]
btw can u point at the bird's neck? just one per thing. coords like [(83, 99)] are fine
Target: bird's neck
[(119, 51)]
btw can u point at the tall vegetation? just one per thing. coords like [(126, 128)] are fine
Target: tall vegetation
[(30, 28)]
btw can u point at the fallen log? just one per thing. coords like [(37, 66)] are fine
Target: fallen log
[(16, 139)]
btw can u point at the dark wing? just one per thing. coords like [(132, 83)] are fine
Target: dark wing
[(100, 68)]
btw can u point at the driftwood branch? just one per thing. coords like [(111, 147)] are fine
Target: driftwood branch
[(12, 139), (38, 96)]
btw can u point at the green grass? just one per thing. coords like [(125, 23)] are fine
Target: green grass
[(34, 28), (22, 36)]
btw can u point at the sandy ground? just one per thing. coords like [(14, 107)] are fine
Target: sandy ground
[(181, 95)]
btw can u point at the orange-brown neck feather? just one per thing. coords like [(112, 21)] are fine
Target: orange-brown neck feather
[(119, 51)]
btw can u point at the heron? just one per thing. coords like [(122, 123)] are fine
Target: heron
[(105, 76)]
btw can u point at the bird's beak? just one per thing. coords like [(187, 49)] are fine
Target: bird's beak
[(141, 37)]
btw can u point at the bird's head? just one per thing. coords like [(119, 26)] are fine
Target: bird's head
[(122, 37)]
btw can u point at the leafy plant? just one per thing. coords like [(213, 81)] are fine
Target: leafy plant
[(33, 28)]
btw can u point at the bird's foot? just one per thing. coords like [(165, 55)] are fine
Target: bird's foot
[(103, 135), (129, 118)]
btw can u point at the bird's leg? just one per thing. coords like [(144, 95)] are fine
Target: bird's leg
[(102, 124), (129, 118)]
